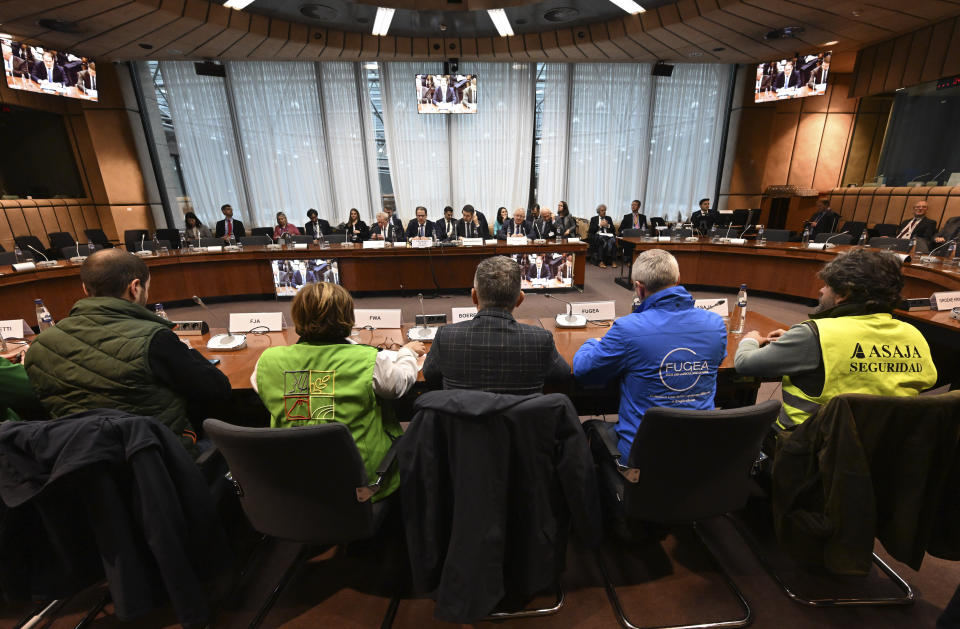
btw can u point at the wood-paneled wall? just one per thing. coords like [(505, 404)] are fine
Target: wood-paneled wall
[(924, 55), (895, 205)]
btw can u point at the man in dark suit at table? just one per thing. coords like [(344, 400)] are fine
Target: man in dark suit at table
[(788, 78), (544, 228), (704, 218), (515, 227), (919, 227), (824, 220), (316, 225), (444, 94), (634, 219), (950, 231), (48, 70), (385, 229), (229, 226), (446, 227), (539, 270), (420, 227), (393, 218), (819, 76), (493, 352), (470, 226), (87, 78)]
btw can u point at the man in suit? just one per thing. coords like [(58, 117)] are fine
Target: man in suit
[(315, 225), (819, 76), (229, 226), (493, 352), (633, 220), (444, 95), (48, 70), (516, 227), (385, 229), (919, 227), (446, 227), (470, 225), (604, 247), (534, 213), (420, 227), (788, 78), (950, 231), (704, 218), (544, 227), (539, 270), (393, 218), (824, 220), (87, 78)]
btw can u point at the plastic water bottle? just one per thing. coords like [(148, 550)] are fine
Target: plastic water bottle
[(862, 242), (156, 243), (714, 236), (18, 254), (806, 236), (951, 251), (160, 312), (740, 316), (761, 236), (912, 246), (91, 247), (44, 319)]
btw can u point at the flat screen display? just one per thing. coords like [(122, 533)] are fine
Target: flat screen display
[(446, 93), (795, 77), (545, 271), (289, 276), (46, 71)]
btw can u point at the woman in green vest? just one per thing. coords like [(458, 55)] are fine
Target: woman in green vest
[(326, 377)]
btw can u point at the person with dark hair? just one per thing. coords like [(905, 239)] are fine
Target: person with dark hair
[(851, 344), (534, 213), (824, 220), (356, 229), (566, 224), (493, 352), (633, 220), (193, 229), (470, 226), (316, 226), (112, 352), (446, 227), (229, 226), (705, 217), (326, 377), (48, 70), (420, 227), (503, 217)]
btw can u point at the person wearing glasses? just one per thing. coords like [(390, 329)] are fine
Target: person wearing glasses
[(327, 377)]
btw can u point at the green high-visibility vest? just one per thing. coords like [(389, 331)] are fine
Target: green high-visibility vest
[(306, 384), (873, 354)]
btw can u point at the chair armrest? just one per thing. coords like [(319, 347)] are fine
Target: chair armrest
[(609, 441), (367, 492)]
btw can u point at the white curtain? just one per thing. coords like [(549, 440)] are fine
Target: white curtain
[(279, 118), (688, 121), (205, 139), (552, 177)]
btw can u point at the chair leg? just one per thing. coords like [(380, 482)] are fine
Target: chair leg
[(530, 613), (909, 596), (723, 624), (391, 612), (91, 615), (39, 614), (300, 559)]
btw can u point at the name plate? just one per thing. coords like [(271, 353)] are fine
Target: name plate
[(605, 234), (663, 238), (14, 329), (24, 266), (462, 314), (421, 243), (573, 239), (374, 244), (596, 310), (215, 249), (472, 242), (243, 322), (376, 318), (737, 241), (490, 242), (719, 306), (817, 245), (946, 300), (516, 240)]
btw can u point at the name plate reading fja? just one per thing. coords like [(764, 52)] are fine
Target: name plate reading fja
[(14, 329), (946, 300), (376, 318), (596, 310), (243, 322), (719, 306), (462, 314)]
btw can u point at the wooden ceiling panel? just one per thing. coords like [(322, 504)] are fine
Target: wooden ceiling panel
[(618, 35), (600, 36), (277, 38), (335, 45), (134, 31), (233, 25), (295, 42), (256, 34), (551, 47)]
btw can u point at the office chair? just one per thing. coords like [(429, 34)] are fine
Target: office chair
[(256, 240), (70, 252), (777, 235), (305, 484), (31, 247), (262, 231), (98, 237), (884, 229), (719, 450), (172, 236), (855, 228), (336, 238), (836, 238), (302, 239), (132, 239), (210, 242), (60, 240), (7, 258), (901, 245)]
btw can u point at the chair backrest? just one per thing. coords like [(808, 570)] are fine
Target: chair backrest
[(26, 242), (894, 244), (336, 238), (133, 237), (170, 235), (302, 239), (855, 228), (885, 229), (633, 233), (59, 240), (695, 464), (300, 229), (837, 238), (7, 258), (777, 235), (97, 236), (257, 240), (262, 231), (657, 220), (70, 252), (297, 483), (210, 242), (740, 217)]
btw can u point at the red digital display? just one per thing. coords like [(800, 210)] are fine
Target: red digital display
[(945, 84)]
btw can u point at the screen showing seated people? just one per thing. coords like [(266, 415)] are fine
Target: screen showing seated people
[(542, 271), (446, 93), (795, 77), (47, 71), (289, 276)]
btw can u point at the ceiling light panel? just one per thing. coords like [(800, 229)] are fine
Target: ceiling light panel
[(237, 4), (629, 6), (499, 17), (382, 22)]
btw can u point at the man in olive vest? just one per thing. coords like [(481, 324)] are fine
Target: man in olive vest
[(851, 344), (111, 352)]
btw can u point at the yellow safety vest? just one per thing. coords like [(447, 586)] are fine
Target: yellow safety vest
[(873, 354)]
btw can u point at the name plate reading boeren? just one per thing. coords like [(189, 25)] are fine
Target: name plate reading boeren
[(374, 244), (946, 300), (462, 314), (596, 310), (14, 329), (243, 322), (719, 306), (376, 318)]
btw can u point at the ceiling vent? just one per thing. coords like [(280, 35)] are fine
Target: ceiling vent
[(61, 26), (561, 14), (784, 33)]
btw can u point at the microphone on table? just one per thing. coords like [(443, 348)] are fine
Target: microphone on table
[(421, 332), (46, 261), (726, 236), (223, 342), (942, 170), (568, 320), (749, 227), (143, 239), (942, 246), (827, 244)]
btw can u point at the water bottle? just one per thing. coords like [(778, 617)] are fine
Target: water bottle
[(91, 247), (761, 236), (156, 243), (740, 316), (951, 250), (714, 236), (44, 320), (912, 246), (806, 236), (862, 242), (18, 254), (160, 312)]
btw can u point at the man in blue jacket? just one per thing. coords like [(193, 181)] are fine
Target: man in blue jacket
[(666, 353)]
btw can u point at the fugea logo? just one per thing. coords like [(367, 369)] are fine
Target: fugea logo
[(681, 369)]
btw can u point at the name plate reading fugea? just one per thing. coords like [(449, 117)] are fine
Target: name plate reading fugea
[(376, 318), (596, 310), (243, 322)]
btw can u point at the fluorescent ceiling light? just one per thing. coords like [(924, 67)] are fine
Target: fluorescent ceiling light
[(830, 43), (381, 24), (237, 4), (499, 17), (629, 6)]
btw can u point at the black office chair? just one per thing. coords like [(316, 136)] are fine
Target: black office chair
[(262, 231), (59, 241), (336, 238), (836, 238), (134, 238), (301, 230), (98, 237), (7, 258), (304, 484), (884, 229), (657, 220), (210, 242), (74, 251), (777, 235), (31, 247), (256, 241), (170, 235), (855, 228), (719, 450), (901, 245), (742, 217)]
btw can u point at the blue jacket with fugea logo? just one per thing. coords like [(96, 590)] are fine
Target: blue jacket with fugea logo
[(666, 354)]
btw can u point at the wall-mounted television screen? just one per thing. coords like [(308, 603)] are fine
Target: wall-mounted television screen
[(545, 271), (795, 77), (35, 69), (446, 93), (289, 276)]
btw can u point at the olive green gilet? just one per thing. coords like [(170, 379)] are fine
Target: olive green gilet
[(307, 384), (98, 358)]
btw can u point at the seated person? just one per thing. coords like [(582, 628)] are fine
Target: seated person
[(112, 352), (48, 70), (283, 228), (824, 220), (393, 218), (666, 353), (229, 228), (17, 399), (420, 227), (950, 231), (516, 227), (844, 347), (566, 224), (788, 78), (326, 377), (493, 352), (385, 229), (918, 227), (316, 226), (355, 229), (705, 217), (539, 271), (193, 229), (544, 227), (470, 226), (446, 227), (534, 213), (503, 217), (565, 267), (87, 78), (633, 220), (604, 246)]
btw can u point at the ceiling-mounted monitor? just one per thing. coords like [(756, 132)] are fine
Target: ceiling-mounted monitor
[(446, 93), (34, 69), (794, 77)]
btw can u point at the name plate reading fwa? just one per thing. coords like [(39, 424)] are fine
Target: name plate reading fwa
[(946, 300), (462, 314), (14, 329), (596, 310), (376, 318), (719, 306), (243, 322)]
